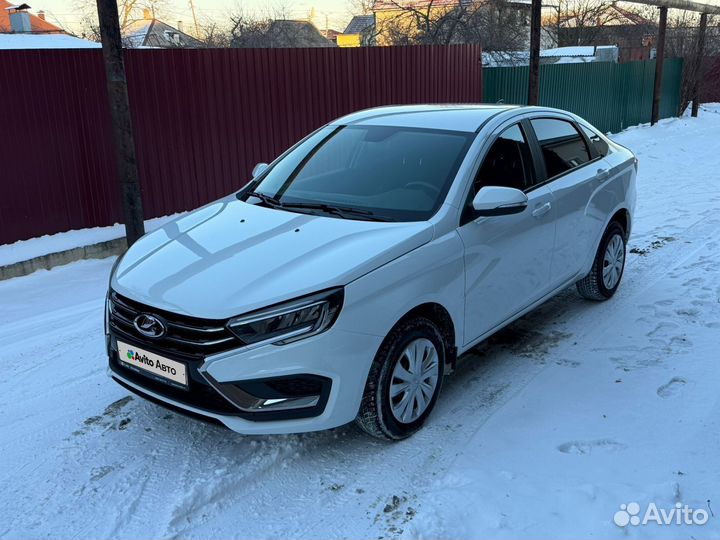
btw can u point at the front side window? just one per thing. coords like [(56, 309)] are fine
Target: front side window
[(601, 147), (390, 173), (508, 163), (563, 148)]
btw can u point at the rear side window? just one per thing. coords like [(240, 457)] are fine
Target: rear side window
[(601, 147), (563, 147), (507, 163)]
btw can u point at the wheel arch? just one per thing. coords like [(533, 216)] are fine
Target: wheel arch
[(439, 315), (622, 216)]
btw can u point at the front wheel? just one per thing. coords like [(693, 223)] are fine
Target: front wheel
[(604, 278), (404, 380)]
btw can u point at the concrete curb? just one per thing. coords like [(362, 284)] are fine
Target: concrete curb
[(101, 250)]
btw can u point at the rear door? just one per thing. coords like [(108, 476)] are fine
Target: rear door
[(507, 258), (573, 172)]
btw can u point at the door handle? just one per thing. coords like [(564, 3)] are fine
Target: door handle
[(602, 174), (541, 210)]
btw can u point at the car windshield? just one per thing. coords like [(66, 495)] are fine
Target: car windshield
[(365, 172)]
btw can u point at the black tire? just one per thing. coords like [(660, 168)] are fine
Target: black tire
[(592, 286), (376, 417)]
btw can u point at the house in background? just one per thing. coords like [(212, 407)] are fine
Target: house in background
[(404, 17), (634, 35), (558, 55), (153, 33), (360, 32), (289, 33), (330, 34), (17, 19), (20, 29)]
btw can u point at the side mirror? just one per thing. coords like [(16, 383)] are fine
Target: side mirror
[(259, 169), (499, 201)]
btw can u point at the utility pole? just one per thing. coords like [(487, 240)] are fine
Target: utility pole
[(130, 196), (659, 62), (192, 9), (699, 53), (534, 78)]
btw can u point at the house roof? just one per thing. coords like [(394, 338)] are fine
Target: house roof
[(580, 50), (154, 33), (37, 24), (379, 5), (634, 18), (359, 23), (331, 34), (287, 33), (44, 41)]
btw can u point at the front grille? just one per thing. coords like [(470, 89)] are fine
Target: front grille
[(189, 336), (199, 394)]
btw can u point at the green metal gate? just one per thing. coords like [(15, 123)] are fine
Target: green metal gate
[(608, 95)]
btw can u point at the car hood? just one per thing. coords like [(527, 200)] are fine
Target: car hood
[(231, 257)]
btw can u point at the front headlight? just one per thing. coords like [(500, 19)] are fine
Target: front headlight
[(289, 321)]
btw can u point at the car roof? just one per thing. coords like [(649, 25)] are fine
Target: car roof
[(456, 117)]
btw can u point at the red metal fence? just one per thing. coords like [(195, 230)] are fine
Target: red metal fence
[(202, 119), (710, 87)]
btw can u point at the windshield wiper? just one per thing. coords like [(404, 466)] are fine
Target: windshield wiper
[(341, 211), (267, 199)]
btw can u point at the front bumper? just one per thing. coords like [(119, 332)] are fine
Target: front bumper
[(309, 385)]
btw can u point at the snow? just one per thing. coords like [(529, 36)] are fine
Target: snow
[(560, 55), (582, 50), (542, 432), (24, 250), (45, 41)]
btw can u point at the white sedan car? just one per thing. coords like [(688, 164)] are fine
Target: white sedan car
[(343, 281)]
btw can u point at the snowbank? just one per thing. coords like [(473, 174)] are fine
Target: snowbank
[(45, 41), (24, 250)]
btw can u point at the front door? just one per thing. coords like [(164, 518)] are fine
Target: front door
[(507, 258)]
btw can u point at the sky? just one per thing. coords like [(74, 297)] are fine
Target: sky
[(338, 12), (333, 13)]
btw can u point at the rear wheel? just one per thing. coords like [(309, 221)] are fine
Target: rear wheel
[(604, 278), (404, 380)]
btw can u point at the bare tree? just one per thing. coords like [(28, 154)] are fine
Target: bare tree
[(681, 42), (360, 7), (496, 24), (582, 21), (129, 11), (274, 29), (213, 35), (248, 31)]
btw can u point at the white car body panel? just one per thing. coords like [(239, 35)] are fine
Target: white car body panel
[(507, 263), (230, 258)]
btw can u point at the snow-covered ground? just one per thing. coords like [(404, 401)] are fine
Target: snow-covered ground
[(545, 431)]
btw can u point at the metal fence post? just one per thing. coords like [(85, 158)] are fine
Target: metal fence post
[(659, 62), (698, 64), (534, 76)]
